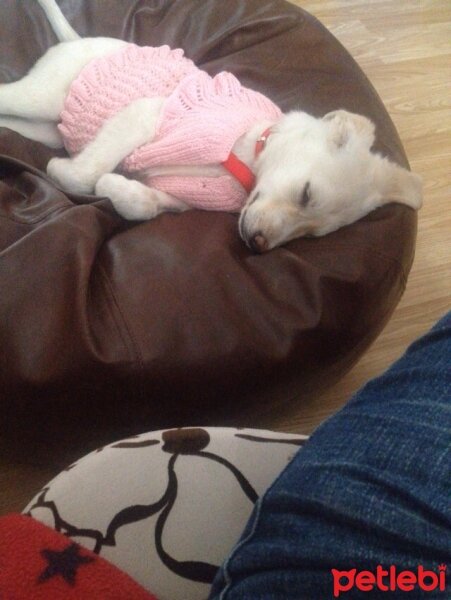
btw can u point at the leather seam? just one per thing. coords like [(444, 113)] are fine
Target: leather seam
[(119, 318)]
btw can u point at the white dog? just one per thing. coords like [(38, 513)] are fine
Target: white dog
[(309, 177)]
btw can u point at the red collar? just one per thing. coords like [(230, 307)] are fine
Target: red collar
[(240, 170)]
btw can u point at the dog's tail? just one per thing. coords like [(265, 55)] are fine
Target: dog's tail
[(58, 21)]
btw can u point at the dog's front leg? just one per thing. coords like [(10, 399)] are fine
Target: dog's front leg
[(119, 136), (134, 200)]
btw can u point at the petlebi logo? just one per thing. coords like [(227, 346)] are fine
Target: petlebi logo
[(389, 580)]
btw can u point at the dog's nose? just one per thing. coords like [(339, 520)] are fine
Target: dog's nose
[(258, 243)]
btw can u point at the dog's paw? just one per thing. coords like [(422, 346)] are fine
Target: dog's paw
[(66, 173), (131, 199)]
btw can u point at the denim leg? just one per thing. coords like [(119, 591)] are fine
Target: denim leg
[(371, 487)]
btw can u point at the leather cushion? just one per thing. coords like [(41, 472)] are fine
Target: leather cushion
[(111, 324)]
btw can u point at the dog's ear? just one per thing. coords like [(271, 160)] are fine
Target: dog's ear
[(343, 125), (395, 184)]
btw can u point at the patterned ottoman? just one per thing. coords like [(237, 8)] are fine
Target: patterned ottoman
[(166, 507)]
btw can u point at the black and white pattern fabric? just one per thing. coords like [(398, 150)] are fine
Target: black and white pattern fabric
[(166, 507)]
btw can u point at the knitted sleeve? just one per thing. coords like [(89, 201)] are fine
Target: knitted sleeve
[(222, 193)]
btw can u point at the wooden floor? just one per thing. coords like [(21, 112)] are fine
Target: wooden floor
[(404, 47)]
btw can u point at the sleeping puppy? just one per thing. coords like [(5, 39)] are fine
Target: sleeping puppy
[(187, 140)]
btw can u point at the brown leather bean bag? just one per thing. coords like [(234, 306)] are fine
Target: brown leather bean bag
[(107, 324)]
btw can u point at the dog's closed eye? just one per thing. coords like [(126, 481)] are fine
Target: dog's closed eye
[(306, 195)]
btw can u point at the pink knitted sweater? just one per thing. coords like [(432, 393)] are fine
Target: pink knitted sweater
[(199, 123)]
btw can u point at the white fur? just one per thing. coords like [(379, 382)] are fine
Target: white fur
[(346, 179), (57, 20), (120, 135), (331, 155)]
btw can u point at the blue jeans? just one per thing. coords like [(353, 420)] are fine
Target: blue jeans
[(370, 490)]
